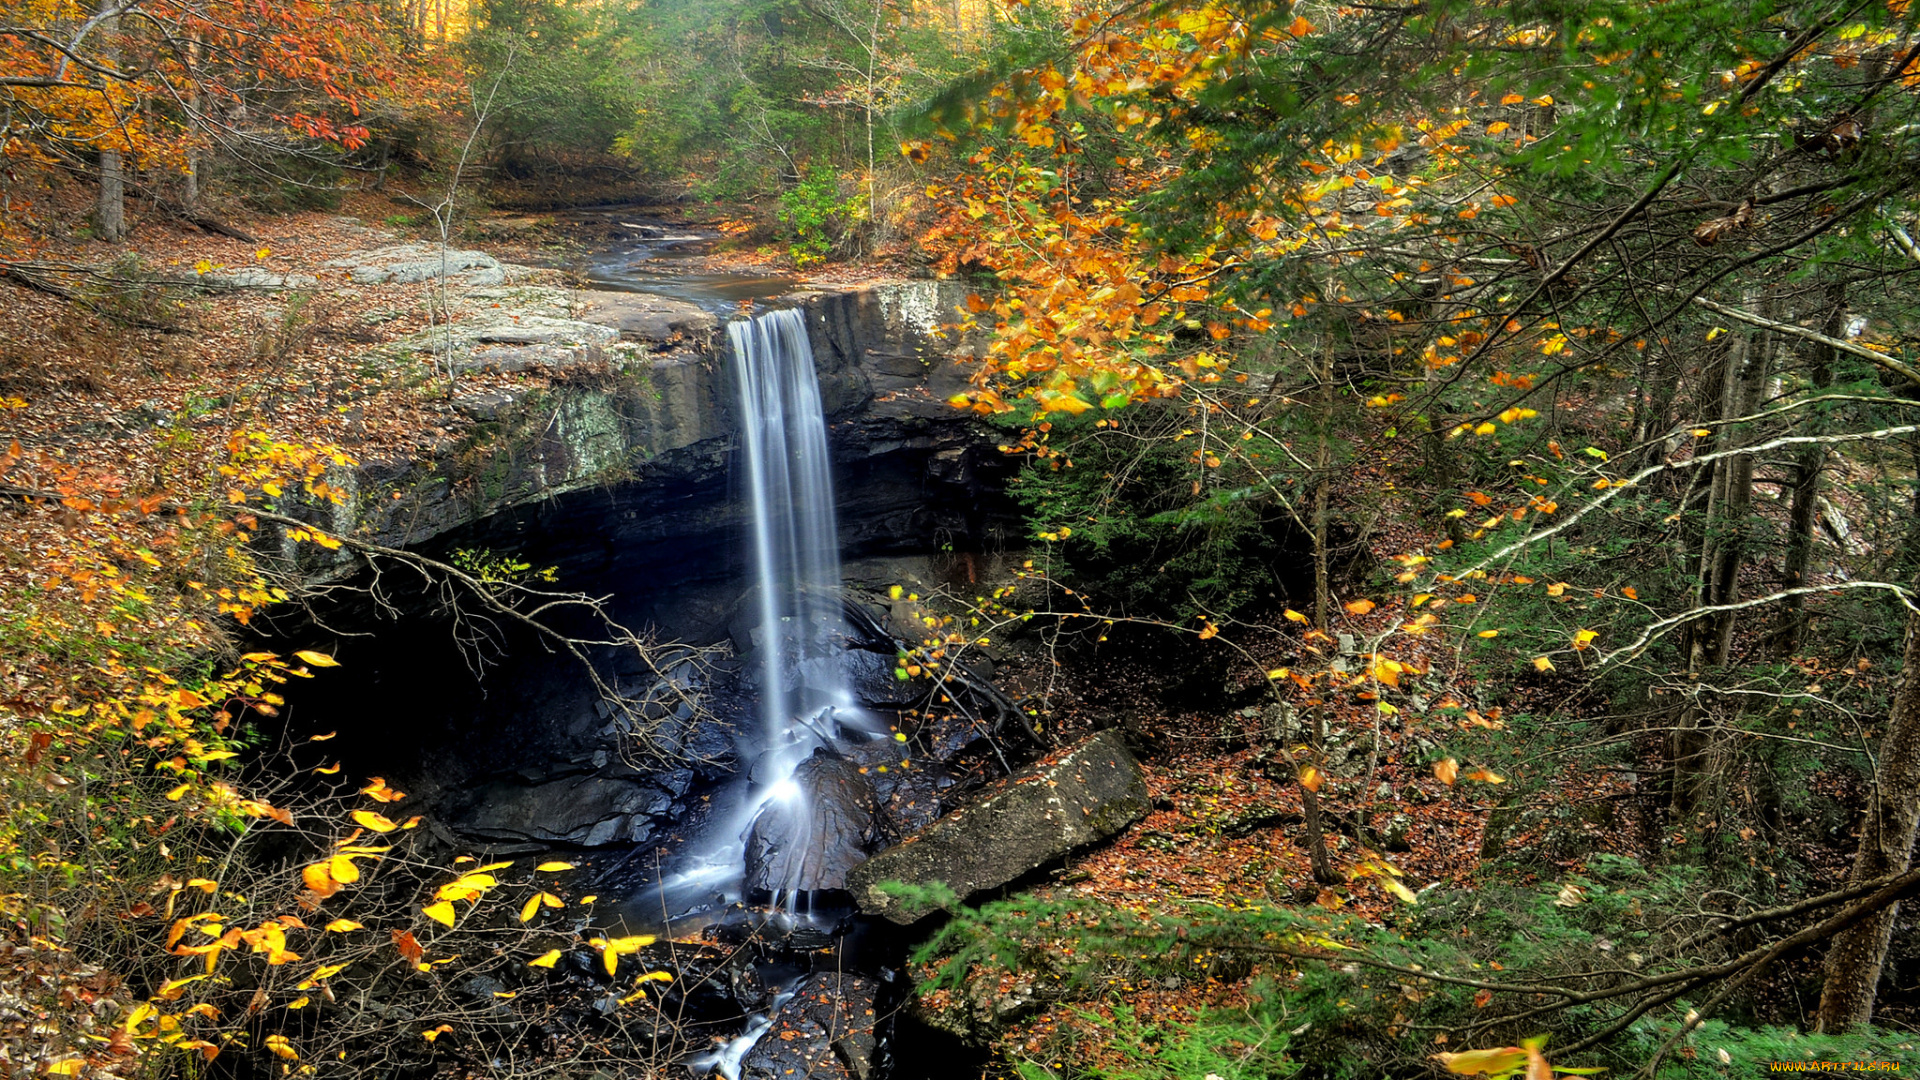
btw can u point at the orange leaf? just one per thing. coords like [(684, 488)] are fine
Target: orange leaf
[(1447, 770), (1311, 778), (378, 790), (1360, 607), (319, 878)]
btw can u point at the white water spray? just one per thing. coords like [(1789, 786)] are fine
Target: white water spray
[(797, 562)]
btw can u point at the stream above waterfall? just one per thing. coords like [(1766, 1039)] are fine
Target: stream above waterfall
[(663, 258)]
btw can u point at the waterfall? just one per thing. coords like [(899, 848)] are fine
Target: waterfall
[(804, 699), (796, 542)]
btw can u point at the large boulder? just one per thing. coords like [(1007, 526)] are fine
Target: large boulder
[(1076, 798), (807, 837)]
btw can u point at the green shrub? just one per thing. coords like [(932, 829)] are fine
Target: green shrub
[(817, 218)]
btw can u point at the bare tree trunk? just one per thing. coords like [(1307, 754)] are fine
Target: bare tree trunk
[(1804, 513), (1316, 836), (1722, 555), (111, 212), (1886, 847)]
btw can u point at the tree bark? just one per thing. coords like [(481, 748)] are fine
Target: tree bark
[(1322, 610), (1743, 380), (1858, 953), (1803, 515), (111, 212)]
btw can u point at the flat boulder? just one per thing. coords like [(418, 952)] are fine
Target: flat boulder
[(656, 320), (404, 264), (1070, 800)]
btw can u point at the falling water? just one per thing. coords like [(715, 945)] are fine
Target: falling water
[(796, 542), (804, 698)]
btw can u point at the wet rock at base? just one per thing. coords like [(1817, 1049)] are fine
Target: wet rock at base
[(827, 1030), (1080, 797), (588, 811), (808, 841)]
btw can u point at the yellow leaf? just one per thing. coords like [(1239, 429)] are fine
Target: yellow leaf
[(552, 901), (441, 912), (1489, 633), (371, 820), (611, 960), (530, 908), (322, 738), (300, 1002), (1447, 770), (342, 869), (176, 793), (69, 1067), (1473, 1062), (1399, 890), (547, 960), (554, 867), (341, 926), (173, 988), (280, 1045), (1541, 663), (317, 659), (1701, 433), (1294, 616), (1360, 607), (1556, 588), (1485, 429), (263, 253), (1583, 638), (433, 1033), (1311, 778), (328, 770)]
